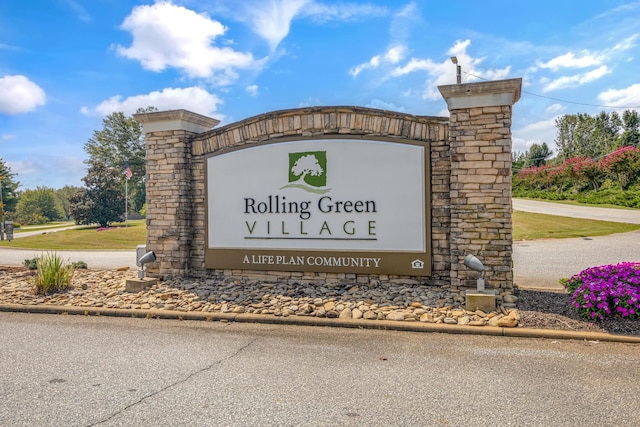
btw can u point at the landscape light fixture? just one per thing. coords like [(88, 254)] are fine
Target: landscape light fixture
[(148, 257), (454, 59), (474, 263)]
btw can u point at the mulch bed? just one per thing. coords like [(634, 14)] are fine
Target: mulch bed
[(553, 310)]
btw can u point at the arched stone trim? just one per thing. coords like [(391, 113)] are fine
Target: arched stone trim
[(318, 121)]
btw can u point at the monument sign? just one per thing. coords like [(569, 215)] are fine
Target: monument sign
[(328, 204)]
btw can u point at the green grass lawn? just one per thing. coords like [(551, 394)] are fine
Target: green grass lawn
[(532, 226), (526, 226), (117, 237)]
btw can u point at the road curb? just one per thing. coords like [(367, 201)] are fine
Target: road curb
[(327, 322)]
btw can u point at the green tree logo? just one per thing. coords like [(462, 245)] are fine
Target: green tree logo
[(308, 171)]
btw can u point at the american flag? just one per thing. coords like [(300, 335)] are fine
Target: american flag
[(127, 171)]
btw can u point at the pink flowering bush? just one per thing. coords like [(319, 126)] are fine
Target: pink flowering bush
[(607, 291)]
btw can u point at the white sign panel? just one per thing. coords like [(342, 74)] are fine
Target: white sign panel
[(329, 195)]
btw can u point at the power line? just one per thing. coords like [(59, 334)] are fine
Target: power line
[(564, 100), (580, 103)]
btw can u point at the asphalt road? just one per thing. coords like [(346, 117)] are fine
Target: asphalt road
[(101, 371), (107, 260)]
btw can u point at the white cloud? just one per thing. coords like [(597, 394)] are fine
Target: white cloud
[(444, 72), (383, 105), (626, 44), (413, 65), (569, 60), (395, 54), (577, 79), (166, 35), (627, 97), (320, 12), (402, 21), (392, 56), (252, 90), (7, 137), (599, 62), (79, 10), (535, 133), (271, 19), (193, 99), (61, 170), (374, 62), (19, 95), (555, 108)]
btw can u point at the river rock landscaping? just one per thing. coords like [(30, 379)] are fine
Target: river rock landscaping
[(392, 301)]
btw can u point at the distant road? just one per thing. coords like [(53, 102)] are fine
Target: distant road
[(99, 260), (629, 216), (44, 230)]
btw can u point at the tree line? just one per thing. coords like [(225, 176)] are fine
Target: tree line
[(598, 161), (119, 145)]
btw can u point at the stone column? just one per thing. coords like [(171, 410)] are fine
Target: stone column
[(169, 185), (480, 137)]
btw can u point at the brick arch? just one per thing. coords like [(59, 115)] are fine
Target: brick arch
[(319, 121)]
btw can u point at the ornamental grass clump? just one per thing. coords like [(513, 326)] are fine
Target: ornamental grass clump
[(53, 275), (607, 291)]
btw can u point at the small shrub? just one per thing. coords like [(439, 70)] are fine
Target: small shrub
[(31, 264), (53, 274), (80, 265), (606, 291)]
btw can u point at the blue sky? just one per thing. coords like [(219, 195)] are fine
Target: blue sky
[(66, 64)]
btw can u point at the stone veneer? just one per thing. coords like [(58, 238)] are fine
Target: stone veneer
[(470, 180), (481, 212)]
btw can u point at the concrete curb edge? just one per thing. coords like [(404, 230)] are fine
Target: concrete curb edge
[(322, 321)]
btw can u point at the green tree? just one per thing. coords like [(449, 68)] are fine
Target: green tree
[(631, 133), (121, 141), (596, 136), (9, 187), (566, 127), (102, 200), (63, 195), (537, 155), (606, 132), (38, 206), (518, 160)]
